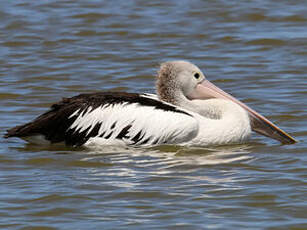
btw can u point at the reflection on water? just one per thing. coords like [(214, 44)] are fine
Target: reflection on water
[(161, 164), (172, 155), (53, 49)]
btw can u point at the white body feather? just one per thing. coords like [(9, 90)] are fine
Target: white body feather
[(232, 126), (157, 126), (165, 126)]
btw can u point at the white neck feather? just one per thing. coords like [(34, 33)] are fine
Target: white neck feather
[(221, 121)]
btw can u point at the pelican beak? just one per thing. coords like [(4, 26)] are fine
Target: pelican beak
[(259, 123)]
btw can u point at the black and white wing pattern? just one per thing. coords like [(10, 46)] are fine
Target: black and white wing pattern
[(133, 119)]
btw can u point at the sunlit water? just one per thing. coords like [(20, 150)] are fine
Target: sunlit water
[(255, 50)]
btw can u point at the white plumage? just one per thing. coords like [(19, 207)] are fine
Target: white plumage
[(155, 126), (161, 127)]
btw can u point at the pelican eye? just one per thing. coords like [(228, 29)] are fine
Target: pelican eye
[(197, 75)]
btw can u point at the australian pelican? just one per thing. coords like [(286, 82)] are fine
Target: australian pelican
[(188, 110)]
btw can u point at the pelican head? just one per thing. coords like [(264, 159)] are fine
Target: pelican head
[(181, 82)]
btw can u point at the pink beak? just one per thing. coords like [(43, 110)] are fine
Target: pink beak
[(259, 123)]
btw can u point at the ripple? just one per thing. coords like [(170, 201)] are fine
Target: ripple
[(57, 198), (92, 15), (266, 41), (52, 212), (40, 161), (85, 164), (16, 44), (61, 48), (5, 96), (256, 17), (41, 227), (295, 18)]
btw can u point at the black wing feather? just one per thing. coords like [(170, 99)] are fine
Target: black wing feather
[(55, 123)]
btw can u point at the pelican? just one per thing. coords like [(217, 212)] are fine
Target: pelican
[(187, 110)]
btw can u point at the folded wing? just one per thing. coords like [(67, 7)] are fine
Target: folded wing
[(132, 118)]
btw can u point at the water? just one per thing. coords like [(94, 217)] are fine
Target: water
[(254, 50)]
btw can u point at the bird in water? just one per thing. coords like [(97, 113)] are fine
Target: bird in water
[(187, 110)]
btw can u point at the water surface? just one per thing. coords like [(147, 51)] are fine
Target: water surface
[(254, 50)]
